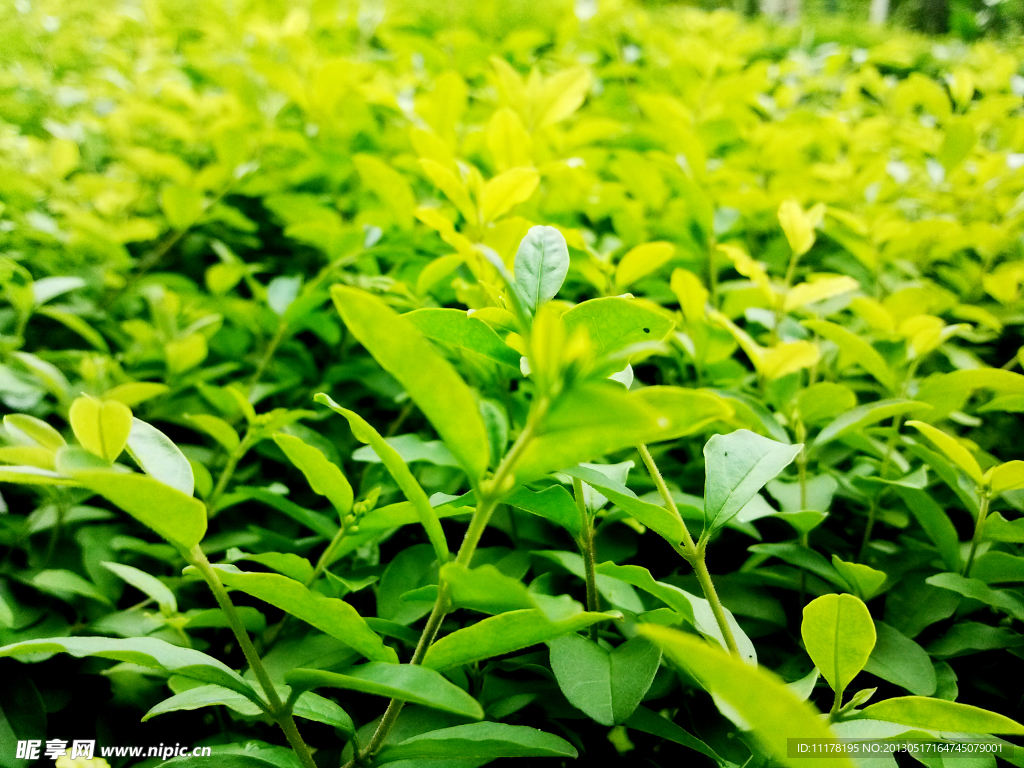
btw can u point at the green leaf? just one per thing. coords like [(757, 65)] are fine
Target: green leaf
[(311, 706), (205, 696), (399, 471), (939, 715), (596, 419), (864, 416), (488, 590), (216, 428), (291, 565), (641, 261), (32, 431), (899, 660), (181, 205), (994, 567), (695, 610), (323, 476), (864, 580), (952, 449), (147, 584), (144, 651), (1006, 477), (504, 633), (553, 503), (658, 519), (159, 457), (252, 754), (737, 466), (176, 517), (647, 721), (479, 741), (614, 323), (607, 686), (411, 448), (463, 331), (838, 634), (330, 615), (61, 583), (405, 682), (1003, 599), (854, 349), (773, 713), (802, 557), (102, 427), (401, 350), (541, 264), (935, 522)]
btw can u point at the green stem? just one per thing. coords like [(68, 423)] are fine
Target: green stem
[(284, 718), (586, 545), (278, 337), (978, 532), (837, 704), (692, 553), (225, 475), (490, 493)]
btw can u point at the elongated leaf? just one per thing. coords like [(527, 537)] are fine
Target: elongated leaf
[(159, 457), (553, 503), (463, 331), (939, 715), (864, 416), (505, 190), (594, 420), (654, 517), (1003, 599), (607, 686), (951, 448), (205, 696), (432, 383), (101, 427), (330, 615), (641, 261), (504, 633), (32, 431), (647, 721), (995, 567), (854, 349), (864, 580), (144, 651), (773, 713), (737, 466), (1006, 477), (405, 682), (323, 476), (176, 517), (839, 635), (614, 323), (481, 741), (147, 584), (488, 590), (541, 264), (935, 522), (399, 471), (696, 610)]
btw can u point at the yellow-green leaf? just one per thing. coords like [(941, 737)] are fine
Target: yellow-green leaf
[(642, 261), (505, 190), (102, 427), (839, 636), (953, 450)]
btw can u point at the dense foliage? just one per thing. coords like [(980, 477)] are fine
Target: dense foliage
[(317, 316)]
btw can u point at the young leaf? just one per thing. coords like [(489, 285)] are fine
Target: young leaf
[(607, 686), (478, 741), (430, 380), (32, 431), (541, 264), (463, 331), (773, 713), (176, 517), (839, 635), (159, 457), (405, 682), (335, 617), (939, 715), (864, 580), (953, 450), (504, 633), (1005, 477), (642, 261), (737, 466), (399, 471), (614, 323), (505, 190), (854, 349), (863, 416), (205, 696), (323, 476), (102, 427)]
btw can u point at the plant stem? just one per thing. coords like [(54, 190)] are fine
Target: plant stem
[(693, 554), (225, 475), (277, 711), (978, 531), (490, 493), (586, 545), (278, 337)]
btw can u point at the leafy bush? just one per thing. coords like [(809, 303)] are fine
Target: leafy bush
[(313, 293)]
